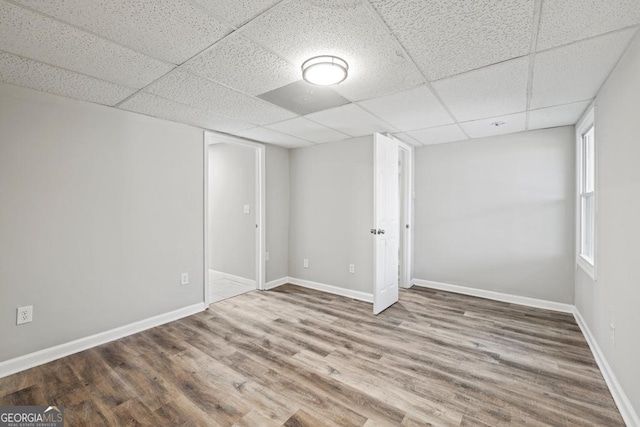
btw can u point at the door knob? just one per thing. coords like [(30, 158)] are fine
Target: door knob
[(380, 231), (373, 231)]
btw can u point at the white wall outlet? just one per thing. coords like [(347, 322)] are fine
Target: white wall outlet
[(305, 263), (352, 268), (184, 279), (246, 209), (24, 315), (266, 256)]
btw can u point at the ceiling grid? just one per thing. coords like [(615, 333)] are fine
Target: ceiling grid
[(425, 71), (84, 30), (532, 55), (198, 54), (426, 81)]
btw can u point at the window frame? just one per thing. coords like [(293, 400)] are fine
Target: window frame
[(583, 127)]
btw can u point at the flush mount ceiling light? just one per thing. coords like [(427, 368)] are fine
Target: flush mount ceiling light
[(325, 70)]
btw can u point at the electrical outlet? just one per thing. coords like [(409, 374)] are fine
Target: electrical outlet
[(352, 268), (266, 256), (184, 279), (305, 263), (24, 315), (246, 209)]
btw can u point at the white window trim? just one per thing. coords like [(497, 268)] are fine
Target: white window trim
[(583, 125)]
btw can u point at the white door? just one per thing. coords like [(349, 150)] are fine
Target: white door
[(386, 223)]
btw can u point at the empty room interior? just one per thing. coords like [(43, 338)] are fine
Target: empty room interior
[(320, 212)]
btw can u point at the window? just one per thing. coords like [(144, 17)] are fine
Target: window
[(586, 194)]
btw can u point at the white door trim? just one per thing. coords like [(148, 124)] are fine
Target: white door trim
[(260, 150), (406, 254)]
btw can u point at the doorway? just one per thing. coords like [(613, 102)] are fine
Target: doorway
[(233, 216)]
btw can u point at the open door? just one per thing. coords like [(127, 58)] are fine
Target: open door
[(386, 222)]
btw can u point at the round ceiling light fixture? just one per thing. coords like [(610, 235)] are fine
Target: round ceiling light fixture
[(325, 70)]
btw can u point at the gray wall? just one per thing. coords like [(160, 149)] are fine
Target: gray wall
[(332, 212), (100, 213), (616, 293), (277, 212), (232, 184), (497, 214)]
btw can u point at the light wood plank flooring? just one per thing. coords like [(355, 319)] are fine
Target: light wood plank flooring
[(297, 357)]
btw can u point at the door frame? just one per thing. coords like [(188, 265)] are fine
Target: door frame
[(406, 218), (260, 235)]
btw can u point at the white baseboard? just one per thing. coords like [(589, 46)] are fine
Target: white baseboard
[(213, 275), (497, 296), (360, 296), (622, 401), (275, 283), (46, 355)]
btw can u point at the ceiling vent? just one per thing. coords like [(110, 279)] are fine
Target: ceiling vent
[(304, 98)]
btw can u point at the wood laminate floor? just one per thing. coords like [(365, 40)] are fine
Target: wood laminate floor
[(298, 357)]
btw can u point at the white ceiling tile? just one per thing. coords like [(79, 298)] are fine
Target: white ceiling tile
[(575, 72), (490, 91), (201, 93), (561, 115), (31, 35), (438, 135), (155, 106), (481, 128), (244, 65), (565, 21), (416, 108), (270, 136), (447, 37), (172, 30), (350, 119), (237, 12), (407, 139), (306, 129), (47, 78), (299, 30)]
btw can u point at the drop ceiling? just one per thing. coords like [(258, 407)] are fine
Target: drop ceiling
[(427, 71)]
